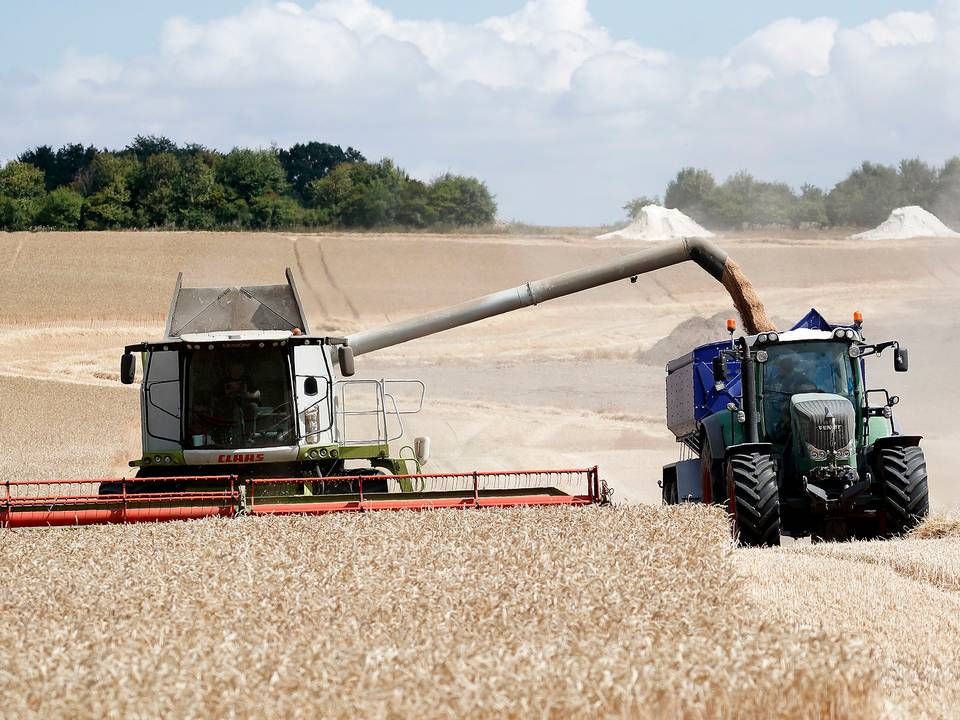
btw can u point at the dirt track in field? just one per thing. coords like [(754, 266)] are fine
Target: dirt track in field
[(563, 373)]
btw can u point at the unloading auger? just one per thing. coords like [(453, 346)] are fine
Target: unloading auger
[(242, 413)]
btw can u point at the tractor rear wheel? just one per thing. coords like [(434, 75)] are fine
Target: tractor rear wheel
[(754, 498), (903, 477)]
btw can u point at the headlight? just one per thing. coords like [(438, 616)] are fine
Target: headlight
[(844, 453), (762, 337), (762, 356), (850, 334), (816, 454), (854, 351), (773, 337)]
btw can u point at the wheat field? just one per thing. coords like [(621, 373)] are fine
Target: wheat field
[(525, 613)]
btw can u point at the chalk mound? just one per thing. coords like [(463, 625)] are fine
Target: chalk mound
[(907, 222), (659, 223), (685, 337)]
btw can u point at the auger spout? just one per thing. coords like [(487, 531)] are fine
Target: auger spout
[(706, 254)]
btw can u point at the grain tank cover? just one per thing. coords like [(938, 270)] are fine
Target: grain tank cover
[(249, 307)]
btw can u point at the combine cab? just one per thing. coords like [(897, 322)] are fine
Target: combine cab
[(786, 434)]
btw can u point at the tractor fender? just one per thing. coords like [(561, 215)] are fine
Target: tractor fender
[(719, 431), (892, 441), (747, 448)]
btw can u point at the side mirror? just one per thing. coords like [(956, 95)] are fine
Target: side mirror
[(310, 386), (128, 368), (421, 449), (719, 370), (345, 360), (901, 359)]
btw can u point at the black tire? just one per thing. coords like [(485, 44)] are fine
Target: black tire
[(669, 492), (754, 499), (902, 472)]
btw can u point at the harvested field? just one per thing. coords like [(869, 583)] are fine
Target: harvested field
[(522, 613)]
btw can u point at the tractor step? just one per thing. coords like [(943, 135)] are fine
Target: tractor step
[(43, 503)]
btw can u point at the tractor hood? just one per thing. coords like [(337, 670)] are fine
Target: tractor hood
[(824, 426)]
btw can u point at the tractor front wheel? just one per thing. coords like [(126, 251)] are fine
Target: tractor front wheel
[(753, 498), (902, 474)]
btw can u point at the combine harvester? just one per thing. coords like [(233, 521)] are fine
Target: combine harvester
[(783, 432)]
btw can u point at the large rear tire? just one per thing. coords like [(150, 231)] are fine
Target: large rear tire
[(903, 478), (754, 499)]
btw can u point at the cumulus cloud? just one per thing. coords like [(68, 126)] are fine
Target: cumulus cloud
[(565, 119)]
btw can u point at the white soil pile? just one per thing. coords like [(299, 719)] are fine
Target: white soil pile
[(905, 223), (659, 223)]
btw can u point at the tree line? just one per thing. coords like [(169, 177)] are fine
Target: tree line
[(156, 183), (863, 199)]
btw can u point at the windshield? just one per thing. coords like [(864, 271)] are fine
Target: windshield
[(239, 397), (805, 367)]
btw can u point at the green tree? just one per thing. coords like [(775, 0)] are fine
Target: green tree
[(107, 184), (770, 204), (249, 173), (146, 146), (307, 162), (633, 207), (153, 191), (689, 191), (414, 208), (61, 167), (22, 191), (61, 209), (459, 200), (810, 209), (272, 211), (946, 200), (44, 159), (197, 194), (72, 160), (918, 183), (728, 204), (360, 194), (866, 197)]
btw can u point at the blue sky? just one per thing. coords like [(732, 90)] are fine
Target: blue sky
[(567, 108), (35, 34)]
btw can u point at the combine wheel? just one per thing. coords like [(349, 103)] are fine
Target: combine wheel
[(753, 498), (902, 473)]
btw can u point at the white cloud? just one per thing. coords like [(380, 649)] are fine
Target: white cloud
[(564, 119), (790, 46)]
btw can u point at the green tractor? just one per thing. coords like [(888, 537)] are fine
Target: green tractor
[(787, 436)]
